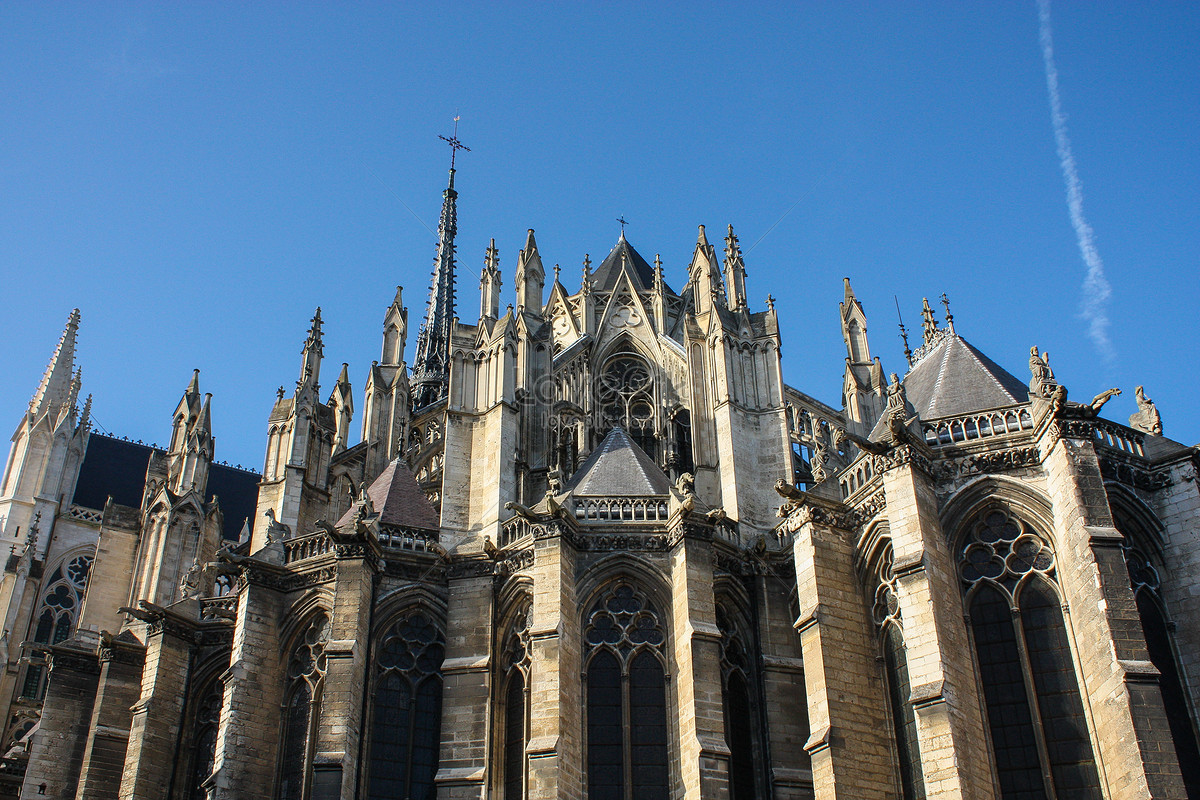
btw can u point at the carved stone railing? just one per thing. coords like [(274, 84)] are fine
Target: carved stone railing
[(1120, 438), (727, 531), (304, 547), (620, 509), (977, 426), (404, 537), (516, 529), (85, 514), (857, 475), (218, 607)]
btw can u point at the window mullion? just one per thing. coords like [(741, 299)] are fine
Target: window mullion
[(626, 736), (1034, 707)]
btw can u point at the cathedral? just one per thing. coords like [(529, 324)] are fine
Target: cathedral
[(591, 546)]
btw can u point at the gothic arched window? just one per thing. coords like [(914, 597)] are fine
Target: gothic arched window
[(204, 739), (406, 710), (885, 611), (515, 660), (625, 393), (1035, 713), (741, 710), (301, 707), (57, 612), (1144, 580), (626, 682)]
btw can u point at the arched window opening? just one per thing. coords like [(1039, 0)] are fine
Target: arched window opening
[(885, 611), (1035, 713), (625, 394), (406, 709), (1144, 580), (741, 715), (57, 613), (515, 659), (626, 682), (684, 462), (204, 739), (301, 707)]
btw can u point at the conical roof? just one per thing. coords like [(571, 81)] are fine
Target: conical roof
[(605, 276), (618, 468), (398, 500), (955, 378)]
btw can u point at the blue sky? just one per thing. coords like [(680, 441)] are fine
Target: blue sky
[(198, 177)]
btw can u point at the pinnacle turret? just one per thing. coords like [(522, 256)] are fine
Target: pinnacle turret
[(59, 376), (313, 350), (735, 272)]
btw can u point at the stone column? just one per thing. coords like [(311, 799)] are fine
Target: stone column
[(249, 729), (849, 745), (56, 754), (108, 734), (466, 672), (783, 690), (335, 763), (152, 756), (955, 762), (555, 714), (703, 752), (1130, 733)]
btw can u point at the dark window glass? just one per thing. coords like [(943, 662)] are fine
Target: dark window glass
[(1158, 643), (1009, 716), (426, 739), (739, 735), (514, 737), (295, 743), (648, 727), (389, 737), (606, 778), (1068, 743), (204, 742), (904, 719)]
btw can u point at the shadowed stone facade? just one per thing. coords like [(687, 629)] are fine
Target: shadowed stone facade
[(595, 548)]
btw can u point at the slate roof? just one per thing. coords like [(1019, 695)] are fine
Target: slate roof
[(398, 500), (955, 378), (605, 276), (118, 468), (618, 468)]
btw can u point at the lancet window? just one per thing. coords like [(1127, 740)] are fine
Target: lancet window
[(626, 684), (56, 617), (739, 698), (885, 611), (1145, 582), (204, 739), (406, 709), (301, 708), (1039, 734), (515, 662), (625, 394)]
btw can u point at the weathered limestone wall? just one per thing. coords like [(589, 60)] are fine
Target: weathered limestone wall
[(153, 757), (56, 757)]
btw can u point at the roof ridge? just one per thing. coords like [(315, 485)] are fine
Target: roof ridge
[(971, 351)]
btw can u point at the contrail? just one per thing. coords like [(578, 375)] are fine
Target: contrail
[(1096, 289)]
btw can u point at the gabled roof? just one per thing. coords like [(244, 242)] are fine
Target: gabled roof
[(605, 276), (398, 500), (955, 378), (618, 468)]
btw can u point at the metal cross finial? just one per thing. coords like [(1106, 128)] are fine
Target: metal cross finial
[(455, 144), (949, 316), (621, 219), (903, 333)]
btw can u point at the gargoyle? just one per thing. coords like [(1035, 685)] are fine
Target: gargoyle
[(1099, 400), (787, 491), (522, 511)]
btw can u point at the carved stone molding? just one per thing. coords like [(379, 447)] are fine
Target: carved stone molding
[(994, 461), (898, 457), (1131, 475), (522, 559)]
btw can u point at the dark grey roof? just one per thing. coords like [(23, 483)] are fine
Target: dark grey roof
[(605, 276), (398, 500), (618, 468), (117, 468)]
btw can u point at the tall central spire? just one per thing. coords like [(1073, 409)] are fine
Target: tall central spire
[(431, 370)]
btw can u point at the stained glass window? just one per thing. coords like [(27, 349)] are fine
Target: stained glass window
[(56, 615), (305, 679), (515, 664)]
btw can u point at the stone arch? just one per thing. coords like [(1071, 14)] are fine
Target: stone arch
[(976, 495)]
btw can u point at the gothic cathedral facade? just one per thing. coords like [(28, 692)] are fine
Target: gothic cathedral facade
[(592, 546)]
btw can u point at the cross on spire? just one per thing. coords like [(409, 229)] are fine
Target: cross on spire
[(455, 144), (621, 219)]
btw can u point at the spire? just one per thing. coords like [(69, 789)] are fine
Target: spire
[(735, 272), (530, 277), (85, 418), (342, 402), (395, 330), (57, 380), (854, 327), (431, 369), (204, 423), (704, 275), (949, 316), (928, 322), (310, 364)]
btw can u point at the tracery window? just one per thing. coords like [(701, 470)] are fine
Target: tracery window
[(57, 613), (626, 698), (204, 739), (1035, 713), (625, 393), (301, 707), (1144, 579), (741, 710), (406, 709), (885, 611), (515, 662)]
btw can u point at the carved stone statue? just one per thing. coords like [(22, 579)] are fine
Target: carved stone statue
[(686, 485), (189, 584), (1147, 418), (1042, 381), (819, 457)]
